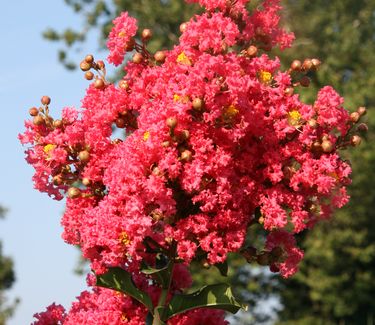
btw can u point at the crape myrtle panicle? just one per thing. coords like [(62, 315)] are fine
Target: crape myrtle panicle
[(193, 146)]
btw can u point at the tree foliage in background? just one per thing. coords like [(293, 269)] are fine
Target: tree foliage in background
[(335, 284), (7, 279)]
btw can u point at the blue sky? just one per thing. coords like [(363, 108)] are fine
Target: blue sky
[(31, 231)]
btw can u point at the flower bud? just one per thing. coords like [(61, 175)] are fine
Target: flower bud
[(327, 146), (89, 75), (198, 104), (100, 65), (38, 120), (33, 111), (354, 117), (57, 180), (86, 181), (85, 66), (307, 65), (355, 140), (57, 124), (274, 268), (74, 192), (120, 123), (186, 155), (183, 27), (99, 83), (84, 156), (165, 144), (171, 122), (146, 34), (316, 63), (137, 58), (296, 65), (160, 56), (362, 111), (89, 58), (252, 51), (45, 100)]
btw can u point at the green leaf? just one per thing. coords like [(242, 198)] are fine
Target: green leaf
[(162, 275), (121, 280), (223, 268), (216, 296)]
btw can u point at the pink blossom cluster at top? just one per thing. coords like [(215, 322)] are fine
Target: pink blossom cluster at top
[(212, 135)]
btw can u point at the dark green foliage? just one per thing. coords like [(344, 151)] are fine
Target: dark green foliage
[(7, 278)]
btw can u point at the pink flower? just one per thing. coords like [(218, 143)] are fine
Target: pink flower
[(124, 29)]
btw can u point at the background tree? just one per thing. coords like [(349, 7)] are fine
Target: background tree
[(7, 278), (335, 282)]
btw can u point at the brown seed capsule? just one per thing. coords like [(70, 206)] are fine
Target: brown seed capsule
[(100, 65), (137, 58), (74, 192), (38, 120), (89, 75), (354, 117), (86, 181), (289, 91), (184, 135), (57, 180), (33, 111), (186, 155), (263, 259), (89, 58), (197, 104), (171, 122), (205, 264), (99, 84), (296, 65), (130, 45), (84, 156), (146, 34), (85, 66), (159, 56), (57, 124), (316, 146), (307, 65), (120, 123), (316, 63), (249, 253), (362, 111), (252, 51), (327, 146), (305, 81), (45, 100), (183, 27), (355, 141), (362, 127)]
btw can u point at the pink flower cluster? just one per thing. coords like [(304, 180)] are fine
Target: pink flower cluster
[(186, 148)]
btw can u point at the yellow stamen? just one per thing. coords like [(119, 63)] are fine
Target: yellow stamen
[(124, 318), (230, 112), (181, 99), (122, 34), (265, 77), (294, 118), (146, 135), (48, 148), (124, 239), (183, 59)]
